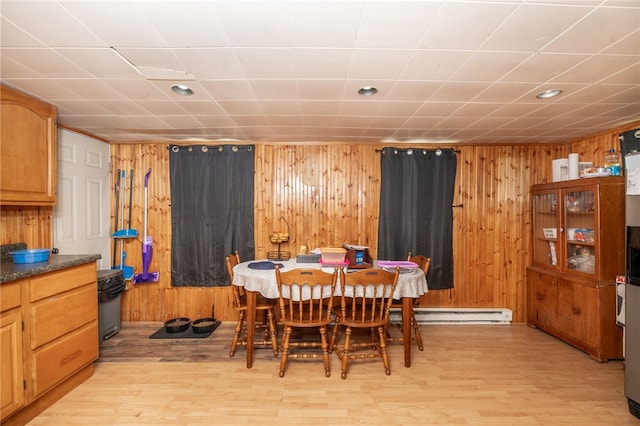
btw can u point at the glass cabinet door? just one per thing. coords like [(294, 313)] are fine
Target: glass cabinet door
[(546, 232), (579, 223)]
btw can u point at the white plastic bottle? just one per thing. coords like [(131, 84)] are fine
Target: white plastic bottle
[(612, 162)]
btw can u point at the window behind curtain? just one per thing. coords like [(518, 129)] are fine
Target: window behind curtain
[(416, 214), (211, 211)]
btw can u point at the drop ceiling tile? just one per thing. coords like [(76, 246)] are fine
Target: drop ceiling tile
[(384, 25), (359, 107), (211, 63), (458, 92), (255, 23), (542, 67), (321, 89), (433, 65), (377, 64), (138, 89), (275, 89), (243, 107), (48, 62), (522, 31), (505, 92), (412, 90), (281, 107), (398, 109), (599, 29), (229, 89), (267, 63), (438, 109), (35, 18), (321, 63), (488, 66), (196, 107), (100, 62), (16, 35), (117, 24), (14, 69), (170, 18), (479, 20), (319, 108), (595, 69), (324, 23)]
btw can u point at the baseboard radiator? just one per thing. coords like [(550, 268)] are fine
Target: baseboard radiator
[(458, 315)]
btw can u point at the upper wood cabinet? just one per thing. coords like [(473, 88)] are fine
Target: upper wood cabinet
[(27, 150)]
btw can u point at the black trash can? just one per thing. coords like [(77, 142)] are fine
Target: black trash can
[(111, 284)]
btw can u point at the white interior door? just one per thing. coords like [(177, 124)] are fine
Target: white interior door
[(81, 215)]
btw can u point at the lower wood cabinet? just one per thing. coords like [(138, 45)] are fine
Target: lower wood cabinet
[(579, 311), (12, 393), (49, 338)]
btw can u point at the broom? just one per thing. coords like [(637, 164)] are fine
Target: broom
[(147, 243)]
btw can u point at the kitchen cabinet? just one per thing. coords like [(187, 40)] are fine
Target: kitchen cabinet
[(28, 144), (578, 249), (12, 371), (59, 310)]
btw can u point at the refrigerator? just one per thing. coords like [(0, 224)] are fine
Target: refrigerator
[(630, 149)]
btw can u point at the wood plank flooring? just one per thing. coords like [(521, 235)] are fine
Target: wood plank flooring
[(467, 375)]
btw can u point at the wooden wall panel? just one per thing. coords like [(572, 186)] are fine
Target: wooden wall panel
[(329, 195)]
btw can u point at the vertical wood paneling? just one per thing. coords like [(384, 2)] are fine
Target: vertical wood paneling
[(329, 193)]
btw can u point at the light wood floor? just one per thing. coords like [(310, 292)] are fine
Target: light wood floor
[(468, 374)]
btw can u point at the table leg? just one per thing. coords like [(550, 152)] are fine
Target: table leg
[(250, 319), (407, 303)]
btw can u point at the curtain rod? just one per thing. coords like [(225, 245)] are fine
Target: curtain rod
[(205, 148), (437, 151)]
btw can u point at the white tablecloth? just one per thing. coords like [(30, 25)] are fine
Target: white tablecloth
[(410, 284)]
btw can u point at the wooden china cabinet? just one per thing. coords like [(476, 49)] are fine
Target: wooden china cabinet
[(578, 249)]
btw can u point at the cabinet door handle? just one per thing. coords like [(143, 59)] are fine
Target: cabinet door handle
[(577, 310)]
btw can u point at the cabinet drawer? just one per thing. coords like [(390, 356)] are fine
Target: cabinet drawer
[(9, 296), (57, 361), (57, 282), (58, 315)]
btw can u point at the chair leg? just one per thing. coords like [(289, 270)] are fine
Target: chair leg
[(383, 351), (284, 352), (334, 333), (325, 350), (272, 330), (345, 354), (236, 333), (416, 330)]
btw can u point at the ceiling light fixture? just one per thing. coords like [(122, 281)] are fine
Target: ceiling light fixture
[(367, 91), (548, 94), (181, 89)]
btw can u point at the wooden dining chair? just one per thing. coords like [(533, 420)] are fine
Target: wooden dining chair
[(305, 301), (365, 303), (423, 263), (265, 307)]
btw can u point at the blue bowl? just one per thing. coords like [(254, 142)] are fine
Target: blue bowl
[(30, 256)]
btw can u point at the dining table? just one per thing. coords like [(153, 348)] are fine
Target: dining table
[(258, 278)]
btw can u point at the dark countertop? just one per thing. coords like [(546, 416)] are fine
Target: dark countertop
[(10, 271)]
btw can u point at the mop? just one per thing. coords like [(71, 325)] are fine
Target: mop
[(121, 234), (147, 245)]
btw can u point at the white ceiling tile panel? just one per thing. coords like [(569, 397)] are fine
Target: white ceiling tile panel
[(116, 23), (599, 29), (324, 23), (288, 71), (16, 36), (532, 26), (50, 23), (193, 24), (47, 61), (477, 19)]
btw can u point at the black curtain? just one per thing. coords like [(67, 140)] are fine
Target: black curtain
[(416, 198), (211, 211)]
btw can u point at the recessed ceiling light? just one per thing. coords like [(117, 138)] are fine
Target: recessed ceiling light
[(181, 89), (367, 91), (548, 94)]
